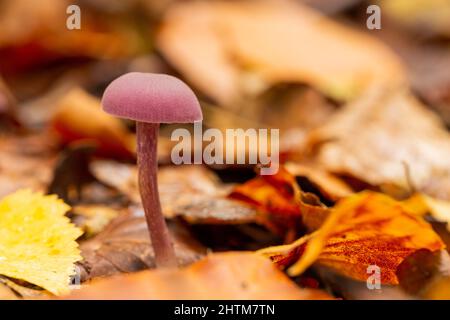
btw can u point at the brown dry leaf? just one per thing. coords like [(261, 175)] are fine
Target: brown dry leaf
[(423, 273), (364, 229), (218, 276), (366, 140), (192, 192), (226, 50), (124, 246), (26, 161), (79, 116)]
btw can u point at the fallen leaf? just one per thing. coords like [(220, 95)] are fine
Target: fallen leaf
[(93, 218), (37, 241), (419, 144), (427, 64), (192, 192), (332, 187), (218, 276), (124, 246), (277, 199), (422, 204), (27, 161), (423, 271), (226, 50), (364, 229), (79, 116), (281, 205), (43, 41)]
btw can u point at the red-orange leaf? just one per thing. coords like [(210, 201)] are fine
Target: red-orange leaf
[(276, 197), (362, 230)]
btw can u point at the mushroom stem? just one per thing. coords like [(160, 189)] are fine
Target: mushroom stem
[(147, 143)]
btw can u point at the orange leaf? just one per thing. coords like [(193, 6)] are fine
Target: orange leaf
[(362, 230), (219, 276), (275, 196), (80, 117)]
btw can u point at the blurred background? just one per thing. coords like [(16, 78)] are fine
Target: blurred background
[(369, 106)]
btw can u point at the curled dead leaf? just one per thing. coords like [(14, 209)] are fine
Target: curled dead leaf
[(124, 246)]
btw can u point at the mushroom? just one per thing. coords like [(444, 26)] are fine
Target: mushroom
[(151, 99)]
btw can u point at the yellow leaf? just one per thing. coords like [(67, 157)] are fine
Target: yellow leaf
[(37, 241)]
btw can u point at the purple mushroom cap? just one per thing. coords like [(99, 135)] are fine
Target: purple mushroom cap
[(151, 98)]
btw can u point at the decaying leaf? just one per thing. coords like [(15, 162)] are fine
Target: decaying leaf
[(366, 140), (364, 229), (218, 276), (422, 273), (192, 192), (37, 242), (124, 246), (26, 162), (71, 173), (226, 49)]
